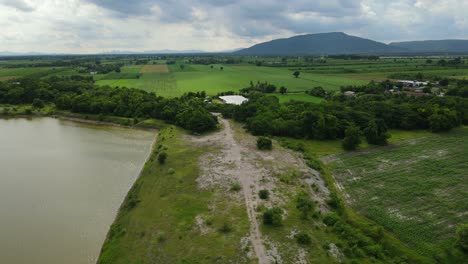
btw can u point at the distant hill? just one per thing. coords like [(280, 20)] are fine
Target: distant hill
[(322, 43), (449, 45)]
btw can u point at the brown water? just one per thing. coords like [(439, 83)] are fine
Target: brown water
[(61, 184)]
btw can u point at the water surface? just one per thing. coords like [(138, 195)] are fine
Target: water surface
[(61, 184)]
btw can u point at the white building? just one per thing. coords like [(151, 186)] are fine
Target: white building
[(233, 99)]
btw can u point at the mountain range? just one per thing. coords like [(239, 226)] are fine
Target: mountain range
[(316, 44), (341, 43)]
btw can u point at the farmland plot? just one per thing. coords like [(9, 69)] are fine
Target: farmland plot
[(416, 189)]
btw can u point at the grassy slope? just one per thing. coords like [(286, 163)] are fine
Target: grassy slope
[(416, 189), (161, 228)]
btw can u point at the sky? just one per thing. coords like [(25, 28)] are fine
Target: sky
[(95, 26)]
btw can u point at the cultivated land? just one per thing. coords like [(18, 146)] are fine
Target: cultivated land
[(176, 79), (415, 188)]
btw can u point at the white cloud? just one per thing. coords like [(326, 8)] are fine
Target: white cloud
[(88, 26)]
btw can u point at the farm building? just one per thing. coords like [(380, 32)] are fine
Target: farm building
[(407, 83), (233, 99), (349, 93)]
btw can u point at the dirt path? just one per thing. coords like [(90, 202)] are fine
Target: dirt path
[(247, 182), (237, 160)]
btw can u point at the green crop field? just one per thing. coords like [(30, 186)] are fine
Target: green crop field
[(24, 72), (195, 78), (415, 188)]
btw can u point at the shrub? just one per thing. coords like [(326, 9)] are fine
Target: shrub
[(462, 237), (264, 194), (303, 238), (225, 228), (162, 157), (273, 217), (236, 186), (305, 205), (335, 202), (37, 103), (264, 143), (331, 219)]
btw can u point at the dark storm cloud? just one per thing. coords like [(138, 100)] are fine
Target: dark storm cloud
[(243, 17)]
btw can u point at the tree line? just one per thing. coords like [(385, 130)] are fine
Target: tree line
[(370, 115), (80, 95)]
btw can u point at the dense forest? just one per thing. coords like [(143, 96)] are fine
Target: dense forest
[(79, 94)]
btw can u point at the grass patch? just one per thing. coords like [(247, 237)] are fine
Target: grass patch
[(416, 189), (163, 220), (283, 98)]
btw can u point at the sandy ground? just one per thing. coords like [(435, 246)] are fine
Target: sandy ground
[(236, 160)]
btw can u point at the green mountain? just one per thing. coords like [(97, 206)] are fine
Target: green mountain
[(449, 45), (320, 44)]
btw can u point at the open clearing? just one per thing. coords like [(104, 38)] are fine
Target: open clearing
[(189, 202), (155, 68), (416, 188)]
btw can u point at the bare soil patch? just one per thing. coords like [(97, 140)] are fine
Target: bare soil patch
[(235, 159), (157, 68)]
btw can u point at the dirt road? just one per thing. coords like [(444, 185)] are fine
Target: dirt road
[(238, 161)]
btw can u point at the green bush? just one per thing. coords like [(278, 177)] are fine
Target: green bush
[(37, 103), (273, 217), (225, 228), (331, 219), (303, 238), (236, 187), (264, 194), (305, 204), (162, 157), (462, 237), (264, 143)]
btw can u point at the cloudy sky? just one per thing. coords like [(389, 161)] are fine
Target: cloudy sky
[(92, 26)]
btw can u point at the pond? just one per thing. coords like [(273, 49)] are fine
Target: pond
[(61, 184)]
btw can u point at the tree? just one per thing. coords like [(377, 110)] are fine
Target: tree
[(443, 119), (427, 90), (352, 138), (273, 217), (283, 90), (444, 82), (462, 237), (221, 68), (376, 132), (318, 91), (162, 157), (182, 66), (296, 74)]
